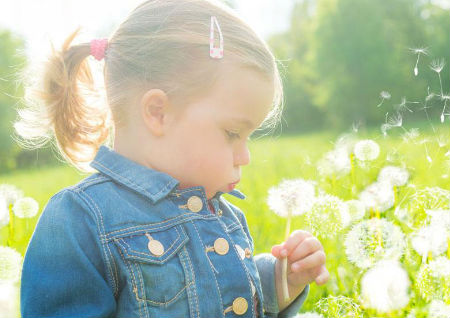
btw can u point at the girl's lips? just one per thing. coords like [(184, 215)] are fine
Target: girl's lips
[(232, 185)]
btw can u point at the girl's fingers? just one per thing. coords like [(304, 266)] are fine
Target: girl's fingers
[(316, 259), (308, 246), (294, 239), (323, 276)]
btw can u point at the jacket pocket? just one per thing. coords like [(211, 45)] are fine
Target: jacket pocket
[(159, 264)]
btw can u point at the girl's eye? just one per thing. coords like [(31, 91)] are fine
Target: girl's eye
[(232, 135)]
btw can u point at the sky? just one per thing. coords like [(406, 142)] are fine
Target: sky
[(44, 21)]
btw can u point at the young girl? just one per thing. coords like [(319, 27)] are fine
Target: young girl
[(149, 234)]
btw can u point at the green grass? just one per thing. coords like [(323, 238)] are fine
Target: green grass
[(274, 159)]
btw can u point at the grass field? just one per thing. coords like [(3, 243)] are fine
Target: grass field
[(277, 158)]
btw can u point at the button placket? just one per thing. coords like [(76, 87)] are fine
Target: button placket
[(154, 246)]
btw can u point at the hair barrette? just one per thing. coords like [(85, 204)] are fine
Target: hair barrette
[(215, 52)]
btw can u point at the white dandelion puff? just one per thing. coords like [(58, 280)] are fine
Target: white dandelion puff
[(328, 216), (431, 286), (394, 175), (339, 306), (440, 217), (385, 287), (378, 196), (429, 239), (384, 95), (366, 150), (438, 309), (296, 195), (437, 65), (26, 207), (418, 51), (336, 162), (372, 240), (4, 212), (440, 267), (10, 192), (429, 198), (346, 142), (309, 314), (10, 264)]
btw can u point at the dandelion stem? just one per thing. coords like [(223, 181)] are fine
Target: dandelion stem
[(284, 260), (440, 82)]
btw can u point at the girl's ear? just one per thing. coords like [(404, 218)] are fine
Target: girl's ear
[(154, 107)]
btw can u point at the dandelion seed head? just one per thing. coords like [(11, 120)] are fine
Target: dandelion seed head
[(401, 214), (440, 267), (440, 217), (437, 65), (420, 50), (296, 196), (25, 207), (10, 192), (396, 176), (366, 150), (335, 162), (438, 309), (431, 287), (429, 239), (10, 264), (385, 287), (372, 240), (429, 198), (339, 306), (378, 196), (346, 143), (4, 212), (328, 216), (308, 314)]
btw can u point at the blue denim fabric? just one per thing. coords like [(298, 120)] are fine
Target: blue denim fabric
[(89, 254)]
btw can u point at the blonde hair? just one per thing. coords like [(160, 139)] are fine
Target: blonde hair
[(162, 43)]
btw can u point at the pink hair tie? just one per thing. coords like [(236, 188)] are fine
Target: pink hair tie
[(98, 48)]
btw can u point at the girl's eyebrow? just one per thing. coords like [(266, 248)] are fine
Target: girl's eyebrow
[(243, 121)]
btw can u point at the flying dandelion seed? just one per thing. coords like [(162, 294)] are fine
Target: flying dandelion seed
[(437, 66), (10, 264), (372, 240), (366, 150), (419, 51), (445, 98), (429, 239), (396, 176), (339, 307), (328, 216), (26, 207), (402, 107), (432, 286), (385, 287), (378, 196), (384, 95), (438, 309)]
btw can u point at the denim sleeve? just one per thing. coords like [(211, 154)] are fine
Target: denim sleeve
[(265, 262), (63, 273)]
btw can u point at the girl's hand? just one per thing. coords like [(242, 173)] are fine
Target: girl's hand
[(305, 258)]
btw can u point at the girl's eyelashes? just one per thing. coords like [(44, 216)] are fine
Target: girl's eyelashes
[(232, 135)]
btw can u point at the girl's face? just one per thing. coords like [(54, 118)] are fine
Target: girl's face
[(207, 143)]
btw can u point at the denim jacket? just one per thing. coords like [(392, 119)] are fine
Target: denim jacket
[(127, 242)]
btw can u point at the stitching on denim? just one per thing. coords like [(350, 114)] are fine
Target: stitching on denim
[(214, 275), (183, 256), (133, 282), (169, 184), (194, 280), (84, 184), (167, 223), (120, 241), (86, 198), (146, 254)]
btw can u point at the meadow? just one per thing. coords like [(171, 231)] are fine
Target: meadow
[(423, 154)]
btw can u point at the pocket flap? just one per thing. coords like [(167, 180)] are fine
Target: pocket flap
[(136, 248)]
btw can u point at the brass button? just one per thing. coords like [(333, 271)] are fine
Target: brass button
[(194, 203), (155, 247), (219, 212), (248, 252), (240, 251), (240, 306), (221, 246)]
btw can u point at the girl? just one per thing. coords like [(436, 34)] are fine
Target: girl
[(149, 233)]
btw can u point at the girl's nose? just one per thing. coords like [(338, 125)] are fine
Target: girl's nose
[(242, 156)]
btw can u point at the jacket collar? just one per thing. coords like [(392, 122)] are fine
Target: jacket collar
[(149, 182)]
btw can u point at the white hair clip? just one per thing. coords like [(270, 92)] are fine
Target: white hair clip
[(215, 52)]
